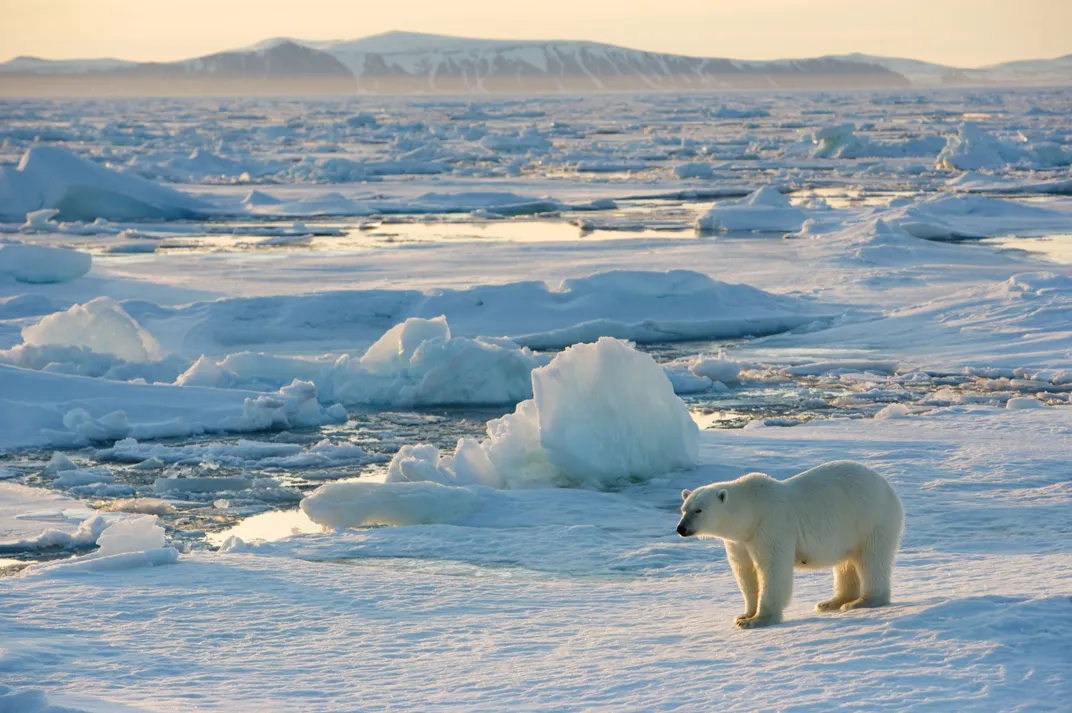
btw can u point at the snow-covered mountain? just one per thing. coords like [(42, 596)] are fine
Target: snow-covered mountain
[(277, 67), (1041, 71), (418, 62), (36, 65), (916, 71), (1057, 71), (283, 58), (407, 62)]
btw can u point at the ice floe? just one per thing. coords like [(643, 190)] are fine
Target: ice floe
[(40, 264), (78, 189), (765, 210), (580, 429)]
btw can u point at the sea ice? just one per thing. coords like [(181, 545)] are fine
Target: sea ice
[(78, 189), (40, 264), (131, 535), (716, 369), (765, 210), (415, 363), (100, 325), (581, 429), (1024, 402), (974, 149), (859, 302), (355, 504), (125, 543), (893, 411), (842, 141), (40, 408), (972, 216)]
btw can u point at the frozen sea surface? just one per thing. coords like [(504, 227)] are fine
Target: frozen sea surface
[(198, 310)]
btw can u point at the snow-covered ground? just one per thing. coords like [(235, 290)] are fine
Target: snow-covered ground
[(278, 328)]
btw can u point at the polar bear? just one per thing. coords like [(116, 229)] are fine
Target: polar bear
[(841, 515)]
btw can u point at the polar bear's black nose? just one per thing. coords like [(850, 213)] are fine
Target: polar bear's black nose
[(682, 530)]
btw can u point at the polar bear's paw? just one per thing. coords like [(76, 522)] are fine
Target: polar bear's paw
[(865, 603), (757, 622), (743, 617), (834, 604)]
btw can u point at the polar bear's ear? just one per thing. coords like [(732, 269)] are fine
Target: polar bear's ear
[(685, 494), (722, 496)]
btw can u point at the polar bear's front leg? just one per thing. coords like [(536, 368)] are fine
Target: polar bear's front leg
[(774, 564), (747, 579)]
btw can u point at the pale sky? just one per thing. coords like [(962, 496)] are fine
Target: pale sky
[(965, 33)]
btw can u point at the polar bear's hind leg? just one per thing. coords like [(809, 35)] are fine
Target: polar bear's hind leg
[(846, 587), (875, 566)]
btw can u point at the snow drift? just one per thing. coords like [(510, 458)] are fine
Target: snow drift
[(637, 305), (965, 216)]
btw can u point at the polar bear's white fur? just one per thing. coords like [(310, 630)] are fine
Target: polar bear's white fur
[(841, 515)]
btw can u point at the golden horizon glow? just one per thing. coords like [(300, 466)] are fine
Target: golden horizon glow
[(962, 33)]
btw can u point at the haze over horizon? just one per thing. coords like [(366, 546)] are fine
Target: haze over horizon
[(962, 33)]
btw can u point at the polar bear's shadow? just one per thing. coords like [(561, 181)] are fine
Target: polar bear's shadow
[(859, 617)]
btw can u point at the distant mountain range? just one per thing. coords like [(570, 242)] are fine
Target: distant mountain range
[(415, 63)]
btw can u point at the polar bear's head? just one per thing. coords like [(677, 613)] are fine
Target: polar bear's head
[(714, 511)]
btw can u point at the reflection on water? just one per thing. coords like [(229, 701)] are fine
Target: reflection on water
[(631, 219), (340, 235), (1055, 248), (9, 567), (525, 231)]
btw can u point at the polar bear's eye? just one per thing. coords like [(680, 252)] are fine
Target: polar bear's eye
[(697, 512)]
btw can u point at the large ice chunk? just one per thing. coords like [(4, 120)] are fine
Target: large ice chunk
[(137, 534), (974, 149), (396, 347), (601, 414), (39, 264), (415, 363), (842, 141), (608, 411), (950, 217), (353, 504), (78, 189), (124, 544), (765, 210), (100, 325)]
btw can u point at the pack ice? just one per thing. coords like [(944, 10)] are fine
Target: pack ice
[(368, 403)]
